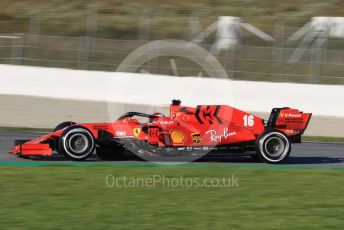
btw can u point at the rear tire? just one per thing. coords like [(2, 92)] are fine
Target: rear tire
[(273, 147), (77, 143)]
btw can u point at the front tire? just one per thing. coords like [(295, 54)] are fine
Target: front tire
[(273, 147), (77, 143)]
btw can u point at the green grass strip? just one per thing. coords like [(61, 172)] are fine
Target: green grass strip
[(148, 164)]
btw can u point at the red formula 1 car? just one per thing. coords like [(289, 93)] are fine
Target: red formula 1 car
[(206, 129)]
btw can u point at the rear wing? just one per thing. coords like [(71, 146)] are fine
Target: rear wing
[(292, 122)]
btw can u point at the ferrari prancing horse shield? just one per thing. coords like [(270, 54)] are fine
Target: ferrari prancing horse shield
[(137, 132)]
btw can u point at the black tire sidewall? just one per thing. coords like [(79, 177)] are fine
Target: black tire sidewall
[(261, 141), (64, 147)]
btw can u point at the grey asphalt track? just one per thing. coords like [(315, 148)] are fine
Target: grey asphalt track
[(305, 154)]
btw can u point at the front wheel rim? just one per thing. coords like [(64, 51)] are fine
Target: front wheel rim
[(78, 143)]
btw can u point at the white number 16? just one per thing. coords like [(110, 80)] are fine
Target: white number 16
[(248, 120)]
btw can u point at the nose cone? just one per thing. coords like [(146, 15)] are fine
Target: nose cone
[(15, 149)]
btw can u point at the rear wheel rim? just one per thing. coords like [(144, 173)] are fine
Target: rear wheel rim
[(274, 146)]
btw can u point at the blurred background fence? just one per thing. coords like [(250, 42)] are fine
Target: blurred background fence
[(245, 62), (100, 37)]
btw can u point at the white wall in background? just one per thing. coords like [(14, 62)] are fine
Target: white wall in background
[(159, 90)]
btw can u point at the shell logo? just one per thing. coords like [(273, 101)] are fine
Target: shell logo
[(178, 137)]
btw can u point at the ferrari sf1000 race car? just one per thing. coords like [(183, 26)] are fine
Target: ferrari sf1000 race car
[(205, 129)]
